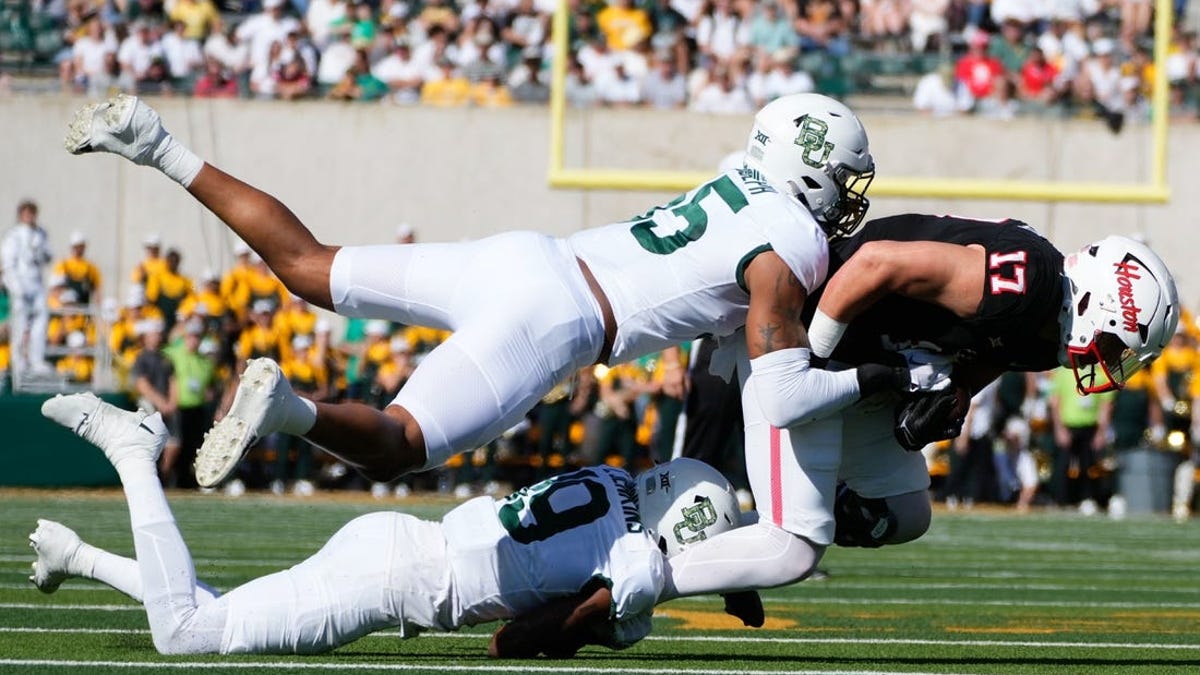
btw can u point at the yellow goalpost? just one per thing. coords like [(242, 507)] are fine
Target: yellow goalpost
[(1155, 191)]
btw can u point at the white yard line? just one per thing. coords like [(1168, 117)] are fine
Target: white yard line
[(1033, 644), (445, 667)]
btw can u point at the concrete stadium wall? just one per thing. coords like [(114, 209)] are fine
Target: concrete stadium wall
[(353, 172)]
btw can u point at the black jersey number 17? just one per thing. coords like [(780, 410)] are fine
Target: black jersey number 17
[(1008, 273)]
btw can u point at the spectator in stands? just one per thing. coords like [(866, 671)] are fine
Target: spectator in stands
[(927, 24), (24, 255), (193, 388), (526, 28), (977, 71), (972, 467), (619, 90), (1016, 468), (152, 262), (79, 274), (321, 17), (90, 52), (722, 95), (822, 27), (393, 372), (78, 365), (298, 46), (664, 87), (235, 289), (359, 84), (579, 91), (263, 83), (292, 80), (306, 372), (438, 13), (402, 75), (771, 32), (262, 284), (489, 92), (261, 31), (785, 80), (528, 80), (623, 24), (182, 54), (168, 289), (153, 382), (1008, 47), (297, 318), (1039, 78), (207, 305), (447, 88), (1099, 85), (721, 35), (224, 45), (1135, 21), (482, 57), (883, 20), (1002, 104), (261, 338), (1081, 425), (338, 58), (137, 56), (125, 338), (216, 82), (756, 81), (199, 17), (5, 357)]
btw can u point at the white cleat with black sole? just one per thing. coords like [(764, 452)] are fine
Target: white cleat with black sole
[(259, 409), (55, 545)]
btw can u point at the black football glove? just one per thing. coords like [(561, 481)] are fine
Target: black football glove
[(928, 417)]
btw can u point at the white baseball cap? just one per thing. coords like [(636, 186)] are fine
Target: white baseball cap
[(77, 238)]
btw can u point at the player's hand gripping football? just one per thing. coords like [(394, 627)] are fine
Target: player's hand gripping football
[(931, 416)]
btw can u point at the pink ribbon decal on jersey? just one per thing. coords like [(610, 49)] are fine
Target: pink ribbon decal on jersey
[(776, 479)]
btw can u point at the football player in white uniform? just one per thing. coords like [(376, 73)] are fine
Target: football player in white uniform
[(584, 549), (743, 249)]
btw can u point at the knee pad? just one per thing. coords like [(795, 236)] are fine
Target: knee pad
[(862, 522)]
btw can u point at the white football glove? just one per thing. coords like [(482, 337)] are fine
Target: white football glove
[(928, 371)]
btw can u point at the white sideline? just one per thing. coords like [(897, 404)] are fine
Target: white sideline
[(1034, 644), (442, 668)]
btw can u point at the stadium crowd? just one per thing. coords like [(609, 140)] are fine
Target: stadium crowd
[(177, 343), (1086, 57)]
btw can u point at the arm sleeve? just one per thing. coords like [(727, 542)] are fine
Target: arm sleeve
[(789, 392)]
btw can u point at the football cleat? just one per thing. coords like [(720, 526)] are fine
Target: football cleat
[(55, 545), (119, 433), (258, 410), (123, 125)]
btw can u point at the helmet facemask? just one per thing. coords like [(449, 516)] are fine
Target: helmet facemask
[(1105, 364), (845, 216)]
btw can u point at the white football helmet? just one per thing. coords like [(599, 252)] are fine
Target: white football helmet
[(815, 149), (685, 501), (1120, 308)]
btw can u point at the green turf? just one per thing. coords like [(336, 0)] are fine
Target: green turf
[(980, 593)]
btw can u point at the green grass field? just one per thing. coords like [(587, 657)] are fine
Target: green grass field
[(980, 593)]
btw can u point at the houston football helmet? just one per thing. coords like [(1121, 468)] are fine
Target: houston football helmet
[(1120, 308), (685, 501), (815, 149)]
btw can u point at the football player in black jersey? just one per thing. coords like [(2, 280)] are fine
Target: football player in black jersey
[(972, 299)]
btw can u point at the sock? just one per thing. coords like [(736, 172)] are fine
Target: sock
[(177, 162), (109, 568), (300, 416)]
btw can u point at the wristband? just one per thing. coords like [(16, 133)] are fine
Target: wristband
[(824, 333)]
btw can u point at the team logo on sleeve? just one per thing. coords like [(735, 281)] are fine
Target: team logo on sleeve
[(812, 139)]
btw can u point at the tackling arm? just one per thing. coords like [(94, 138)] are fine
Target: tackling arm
[(558, 628), (787, 389), (946, 275)]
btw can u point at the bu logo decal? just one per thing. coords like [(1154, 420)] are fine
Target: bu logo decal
[(812, 139)]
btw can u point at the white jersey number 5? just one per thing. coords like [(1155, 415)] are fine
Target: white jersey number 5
[(692, 212)]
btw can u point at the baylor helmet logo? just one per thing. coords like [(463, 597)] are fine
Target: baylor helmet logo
[(812, 139), (696, 518)]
